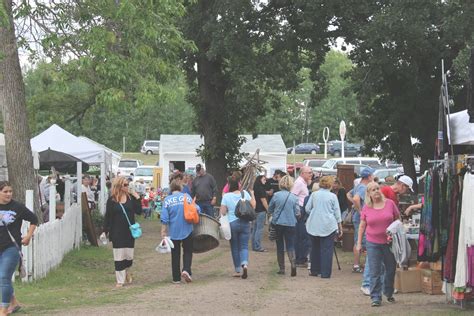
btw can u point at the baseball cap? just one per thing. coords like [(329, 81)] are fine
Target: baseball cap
[(408, 181), (198, 167), (366, 172)]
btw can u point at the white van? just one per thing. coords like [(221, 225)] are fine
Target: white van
[(127, 166), (150, 147)]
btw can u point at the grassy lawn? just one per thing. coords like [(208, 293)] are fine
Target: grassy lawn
[(85, 278), (147, 159)]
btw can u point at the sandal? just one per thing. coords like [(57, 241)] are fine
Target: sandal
[(14, 309), (357, 269)]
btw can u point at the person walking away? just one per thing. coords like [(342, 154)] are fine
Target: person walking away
[(273, 183), (146, 208), (357, 197), (401, 186), (12, 214), (377, 214), (204, 189), (341, 194), (117, 228), (300, 189), (285, 209), (236, 175), (240, 229), (323, 225), (261, 211), (179, 230)]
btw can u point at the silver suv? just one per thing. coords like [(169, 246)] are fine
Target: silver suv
[(150, 147)]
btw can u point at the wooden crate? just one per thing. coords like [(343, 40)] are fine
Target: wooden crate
[(431, 282)]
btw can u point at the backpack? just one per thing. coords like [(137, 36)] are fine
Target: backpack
[(244, 209), (191, 214)]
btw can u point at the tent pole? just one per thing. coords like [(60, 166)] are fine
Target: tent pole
[(79, 182), (102, 197)]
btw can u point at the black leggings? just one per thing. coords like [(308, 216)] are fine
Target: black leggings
[(187, 244)]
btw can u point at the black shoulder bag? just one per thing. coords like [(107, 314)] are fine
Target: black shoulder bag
[(244, 209)]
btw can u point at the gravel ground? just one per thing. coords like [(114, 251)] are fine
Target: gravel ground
[(215, 291)]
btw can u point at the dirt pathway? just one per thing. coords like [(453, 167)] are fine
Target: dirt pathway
[(214, 291)]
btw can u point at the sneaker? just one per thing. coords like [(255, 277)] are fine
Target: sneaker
[(244, 271), (391, 299), (185, 275), (395, 291), (176, 282), (376, 304), (365, 290), (357, 269)]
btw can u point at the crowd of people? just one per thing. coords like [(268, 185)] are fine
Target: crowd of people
[(306, 215)]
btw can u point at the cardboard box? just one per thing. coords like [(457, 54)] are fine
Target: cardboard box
[(431, 282), (408, 281), (436, 266)]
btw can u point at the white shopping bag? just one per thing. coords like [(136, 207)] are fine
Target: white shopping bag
[(165, 245), (225, 227)]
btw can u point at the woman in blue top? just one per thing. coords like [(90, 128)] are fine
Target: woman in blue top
[(240, 229), (284, 209), (179, 230), (323, 223)]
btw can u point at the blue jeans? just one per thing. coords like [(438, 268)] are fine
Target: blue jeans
[(286, 234), (9, 259), (322, 249), (206, 207), (257, 230), (239, 243), (302, 243), (379, 255)]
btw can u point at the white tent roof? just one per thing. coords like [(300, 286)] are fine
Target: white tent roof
[(462, 132), (189, 143), (107, 149), (61, 140)]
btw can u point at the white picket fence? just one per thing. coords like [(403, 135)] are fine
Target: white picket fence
[(52, 240)]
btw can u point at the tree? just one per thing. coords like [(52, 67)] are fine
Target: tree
[(246, 51), (12, 102), (57, 96), (397, 48)]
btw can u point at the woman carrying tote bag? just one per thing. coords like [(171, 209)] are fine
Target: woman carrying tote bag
[(284, 209)]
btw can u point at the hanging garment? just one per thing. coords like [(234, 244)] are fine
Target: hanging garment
[(449, 270), (466, 231)]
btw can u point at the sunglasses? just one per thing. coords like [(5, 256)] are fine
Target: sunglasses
[(125, 184)]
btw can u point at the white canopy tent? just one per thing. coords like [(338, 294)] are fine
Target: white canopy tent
[(112, 156), (462, 132), (61, 140)]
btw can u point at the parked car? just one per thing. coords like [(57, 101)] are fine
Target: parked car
[(290, 168), (144, 172), (304, 148), (330, 166), (387, 172), (150, 147), (314, 163), (127, 167), (350, 149)]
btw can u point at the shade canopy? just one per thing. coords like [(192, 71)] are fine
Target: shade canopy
[(60, 161)]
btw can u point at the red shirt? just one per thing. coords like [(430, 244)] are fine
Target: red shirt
[(388, 192), (378, 220)]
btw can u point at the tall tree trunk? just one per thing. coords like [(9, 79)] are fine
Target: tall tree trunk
[(212, 103), (13, 105), (408, 160)]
